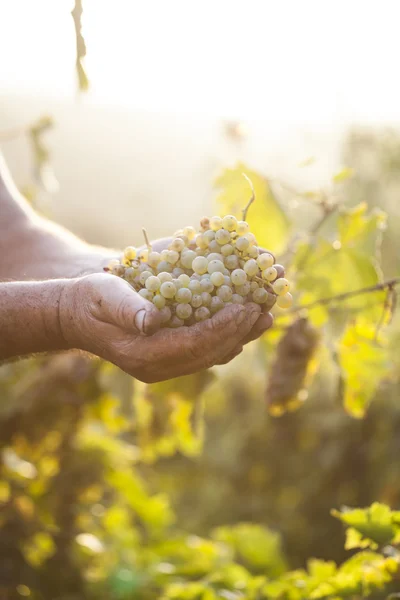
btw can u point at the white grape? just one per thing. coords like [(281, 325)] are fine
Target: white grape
[(229, 222), (253, 286), (164, 267), (146, 294), (242, 227), (242, 244), (281, 286), (172, 257), (206, 284), (217, 278), (251, 267), (223, 237), (253, 252), (168, 289), (194, 286), (214, 246), (159, 301), (231, 262), (238, 277), (164, 276), (130, 253), (237, 299), (201, 241), (227, 280), (118, 270), (227, 250), (152, 283), (187, 258), (209, 236), (215, 223), (215, 265), (183, 311), (165, 313), (196, 300), (216, 304), (202, 313), (200, 265), (251, 237), (190, 232), (270, 274), (114, 262), (215, 256), (154, 259), (244, 289), (177, 245), (205, 298), (144, 255), (177, 284), (184, 279), (175, 322), (183, 296), (130, 274), (143, 276), (224, 293), (265, 261), (260, 295), (285, 301), (177, 271)]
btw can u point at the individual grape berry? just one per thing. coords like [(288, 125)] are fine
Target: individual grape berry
[(281, 286), (214, 246), (217, 278), (200, 265), (143, 254), (205, 223), (118, 270), (238, 277), (190, 232), (152, 283), (222, 236), (215, 265), (205, 298), (242, 244), (242, 228), (187, 258), (252, 238), (229, 222), (227, 280), (224, 293), (165, 313), (215, 223), (201, 241), (251, 267), (196, 300), (175, 322), (237, 299), (194, 286), (253, 252), (201, 314), (227, 250), (183, 311), (209, 236), (146, 294), (280, 270), (172, 257), (216, 304), (284, 301), (164, 254), (114, 262), (231, 262), (183, 296), (260, 295), (154, 259), (184, 279), (269, 274), (144, 276), (177, 245), (177, 271), (130, 253), (164, 276), (164, 267), (206, 284), (159, 301), (130, 274), (215, 256), (254, 286), (168, 289), (243, 290), (145, 267), (178, 285), (184, 239), (265, 261), (234, 236)]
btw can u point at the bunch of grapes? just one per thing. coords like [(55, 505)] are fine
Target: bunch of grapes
[(202, 272)]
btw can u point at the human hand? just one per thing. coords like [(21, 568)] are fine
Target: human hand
[(103, 315)]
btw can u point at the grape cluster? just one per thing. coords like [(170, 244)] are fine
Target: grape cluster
[(202, 272)]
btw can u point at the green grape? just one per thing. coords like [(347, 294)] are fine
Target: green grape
[(242, 244), (217, 278), (130, 253), (159, 301), (164, 276), (243, 290), (284, 301), (252, 238), (227, 250), (238, 277), (205, 298), (177, 271), (146, 294), (253, 252), (168, 289), (214, 246), (201, 314), (224, 293), (143, 276), (172, 257), (144, 255), (152, 283), (251, 267), (130, 274), (216, 304), (183, 311), (196, 300), (215, 223), (118, 270), (206, 284), (201, 241), (165, 313), (229, 222), (200, 265), (177, 245), (187, 258), (183, 296), (215, 256), (260, 295), (177, 284), (194, 286), (209, 236), (254, 286), (215, 265), (281, 286), (223, 237), (190, 232), (242, 227), (175, 322), (227, 280), (184, 279), (237, 299), (269, 274), (164, 267), (265, 261), (154, 259), (231, 262)]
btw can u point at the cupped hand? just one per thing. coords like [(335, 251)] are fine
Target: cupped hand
[(103, 315)]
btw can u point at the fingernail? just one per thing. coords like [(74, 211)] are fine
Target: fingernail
[(240, 317)]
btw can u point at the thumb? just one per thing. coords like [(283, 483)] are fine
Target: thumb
[(120, 305)]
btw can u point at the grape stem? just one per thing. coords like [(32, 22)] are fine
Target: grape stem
[(146, 238), (252, 198), (389, 284)]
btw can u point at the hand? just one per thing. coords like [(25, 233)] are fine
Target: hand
[(103, 315)]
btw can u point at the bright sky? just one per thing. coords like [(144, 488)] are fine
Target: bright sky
[(300, 61)]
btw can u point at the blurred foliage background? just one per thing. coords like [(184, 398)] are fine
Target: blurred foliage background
[(221, 485)]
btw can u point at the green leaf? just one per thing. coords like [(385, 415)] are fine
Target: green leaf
[(343, 175), (375, 523)]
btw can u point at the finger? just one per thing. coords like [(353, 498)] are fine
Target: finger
[(263, 323), (117, 303)]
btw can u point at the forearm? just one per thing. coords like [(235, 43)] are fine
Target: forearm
[(29, 318)]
